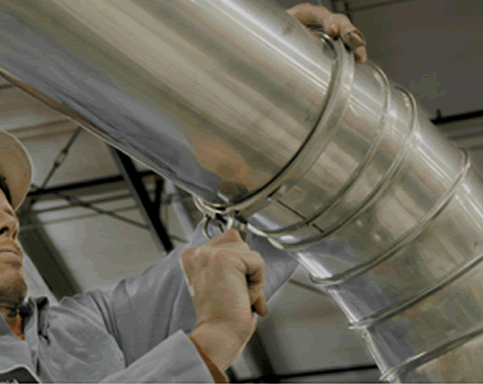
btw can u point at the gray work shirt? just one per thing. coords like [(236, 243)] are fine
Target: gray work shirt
[(136, 332)]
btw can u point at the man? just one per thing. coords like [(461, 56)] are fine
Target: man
[(185, 318)]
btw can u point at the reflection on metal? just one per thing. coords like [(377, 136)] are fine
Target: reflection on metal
[(307, 287), (277, 127)]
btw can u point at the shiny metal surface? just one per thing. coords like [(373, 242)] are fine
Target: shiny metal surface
[(276, 127), (438, 251), (460, 361), (453, 311), (339, 92), (181, 85)]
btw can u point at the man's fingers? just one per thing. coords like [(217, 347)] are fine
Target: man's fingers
[(349, 34), (308, 14), (261, 305), (360, 54), (253, 267), (334, 24), (229, 254), (256, 281), (354, 39), (342, 23)]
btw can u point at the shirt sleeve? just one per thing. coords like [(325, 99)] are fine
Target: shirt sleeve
[(152, 306), (175, 360)]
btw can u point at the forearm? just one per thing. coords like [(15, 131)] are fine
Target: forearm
[(220, 343), (215, 370)]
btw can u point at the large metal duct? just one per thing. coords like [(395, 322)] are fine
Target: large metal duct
[(262, 120)]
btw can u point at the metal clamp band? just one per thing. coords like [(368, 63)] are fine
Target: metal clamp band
[(310, 150), (228, 220), (209, 219)]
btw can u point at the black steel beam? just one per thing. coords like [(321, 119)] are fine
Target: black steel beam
[(158, 194), (84, 184), (459, 117), (141, 196)]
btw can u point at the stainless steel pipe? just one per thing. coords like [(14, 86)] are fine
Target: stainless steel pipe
[(266, 122)]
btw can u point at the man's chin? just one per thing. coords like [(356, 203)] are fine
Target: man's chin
[(13, 289)]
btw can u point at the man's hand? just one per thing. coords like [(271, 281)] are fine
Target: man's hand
[(225, 279), (334, 24)]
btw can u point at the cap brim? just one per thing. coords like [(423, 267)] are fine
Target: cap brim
[(15, 166)]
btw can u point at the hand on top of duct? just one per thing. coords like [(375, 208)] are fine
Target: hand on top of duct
[(334, 24)]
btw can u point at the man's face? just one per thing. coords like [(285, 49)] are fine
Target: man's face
[(13, 287)]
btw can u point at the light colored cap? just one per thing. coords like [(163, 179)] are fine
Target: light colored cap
[(15, 166)]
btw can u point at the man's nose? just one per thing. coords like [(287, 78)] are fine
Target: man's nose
[(9, 227)]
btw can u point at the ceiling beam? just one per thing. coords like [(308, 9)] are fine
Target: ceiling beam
[(458, 117), (84, 184), (141, 196)]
